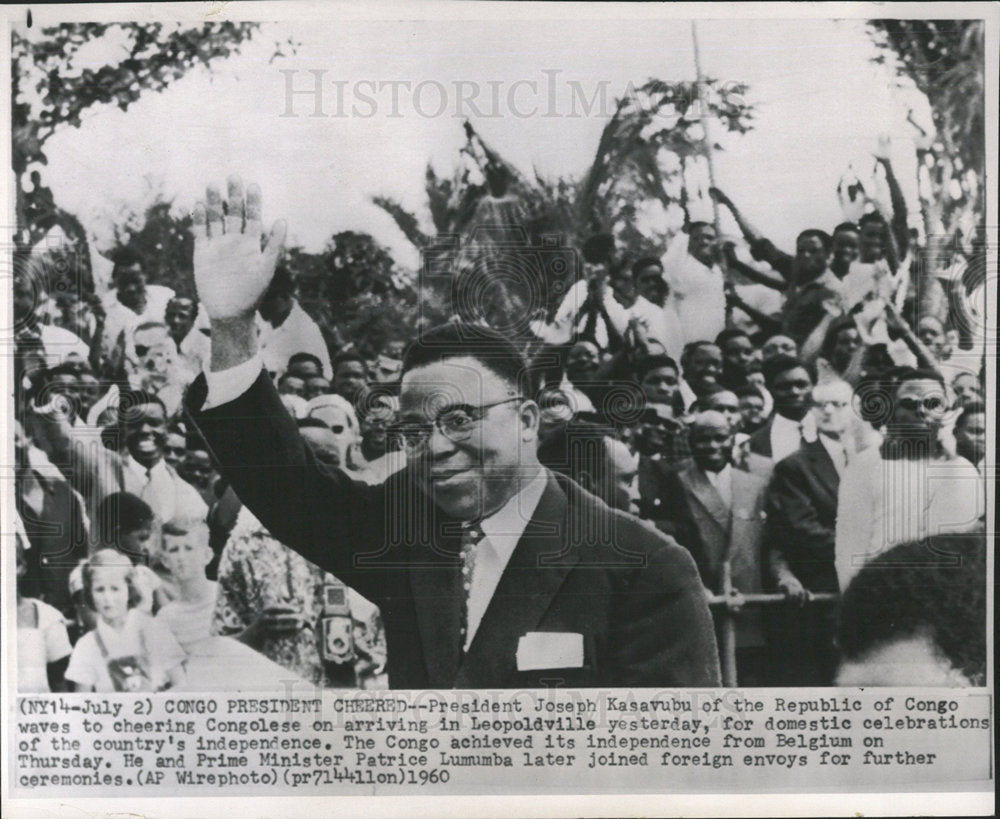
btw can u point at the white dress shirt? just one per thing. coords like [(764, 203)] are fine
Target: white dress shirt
[(298, 333), (568, 319), (501, 532), (886, 502), (166, 492), (787, 435), (661, 324), (119, 317)]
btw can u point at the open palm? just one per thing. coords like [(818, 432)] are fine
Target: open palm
[(231, 270)]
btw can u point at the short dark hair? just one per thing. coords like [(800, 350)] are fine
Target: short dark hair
[(295, 358), (845, 227), (749, 391), (130, 399), (122, 512), (871, 217), (935, 586), (822, 235), (490, 348), (733, 332), (779, 364), (123, 258), (693, 226), (691, 347), (344, 357), (645, 365), (646, 261)]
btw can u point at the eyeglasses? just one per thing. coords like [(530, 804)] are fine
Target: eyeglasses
[(932, 403), (830, 404), (456, 423)]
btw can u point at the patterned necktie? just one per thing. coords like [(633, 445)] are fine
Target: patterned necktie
[(470, 539)]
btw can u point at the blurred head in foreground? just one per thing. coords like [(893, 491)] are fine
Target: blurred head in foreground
[(916, 616)]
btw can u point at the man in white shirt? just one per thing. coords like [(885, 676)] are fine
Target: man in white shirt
[(789, 382), (701, 363), (133, 301), (909, 488), (144, 473), (659, 321), (697, 284), (412, 544), (285, 328)]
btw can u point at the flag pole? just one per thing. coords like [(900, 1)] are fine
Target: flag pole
[(706, 130)]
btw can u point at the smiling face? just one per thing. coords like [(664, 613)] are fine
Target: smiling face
[(145, 428), (701, 245), (703, 367), (846, 249), (711, 441), (650, 284), (471, 478), (109, 590)]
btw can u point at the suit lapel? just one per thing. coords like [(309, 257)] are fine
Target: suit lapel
[(708, 496), (438, 597), (536, 570), (823, 467)]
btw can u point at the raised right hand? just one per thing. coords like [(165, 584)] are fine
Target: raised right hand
[(231, 271)]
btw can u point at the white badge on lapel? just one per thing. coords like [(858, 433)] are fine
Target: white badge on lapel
[(539, 650)]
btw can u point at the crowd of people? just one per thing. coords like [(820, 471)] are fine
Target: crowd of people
[(791, 420)]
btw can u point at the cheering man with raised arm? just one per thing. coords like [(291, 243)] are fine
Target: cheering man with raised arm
[(489, 570)]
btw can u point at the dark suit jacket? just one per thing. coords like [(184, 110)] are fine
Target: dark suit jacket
[(802, 516), (715, 534), (580, 567), (760, 441)]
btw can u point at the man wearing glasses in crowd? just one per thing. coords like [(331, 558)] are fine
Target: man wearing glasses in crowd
[(912, 486), (489, 570)]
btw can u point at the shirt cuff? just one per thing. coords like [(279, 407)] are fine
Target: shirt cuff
[(228, 385)]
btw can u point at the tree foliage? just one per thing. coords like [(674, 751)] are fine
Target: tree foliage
[(53, 84), (944, 60), (494, 224)]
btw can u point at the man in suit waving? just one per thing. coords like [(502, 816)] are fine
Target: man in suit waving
[(489, 570)]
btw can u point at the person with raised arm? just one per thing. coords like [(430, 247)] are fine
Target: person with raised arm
[(490, 571)]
